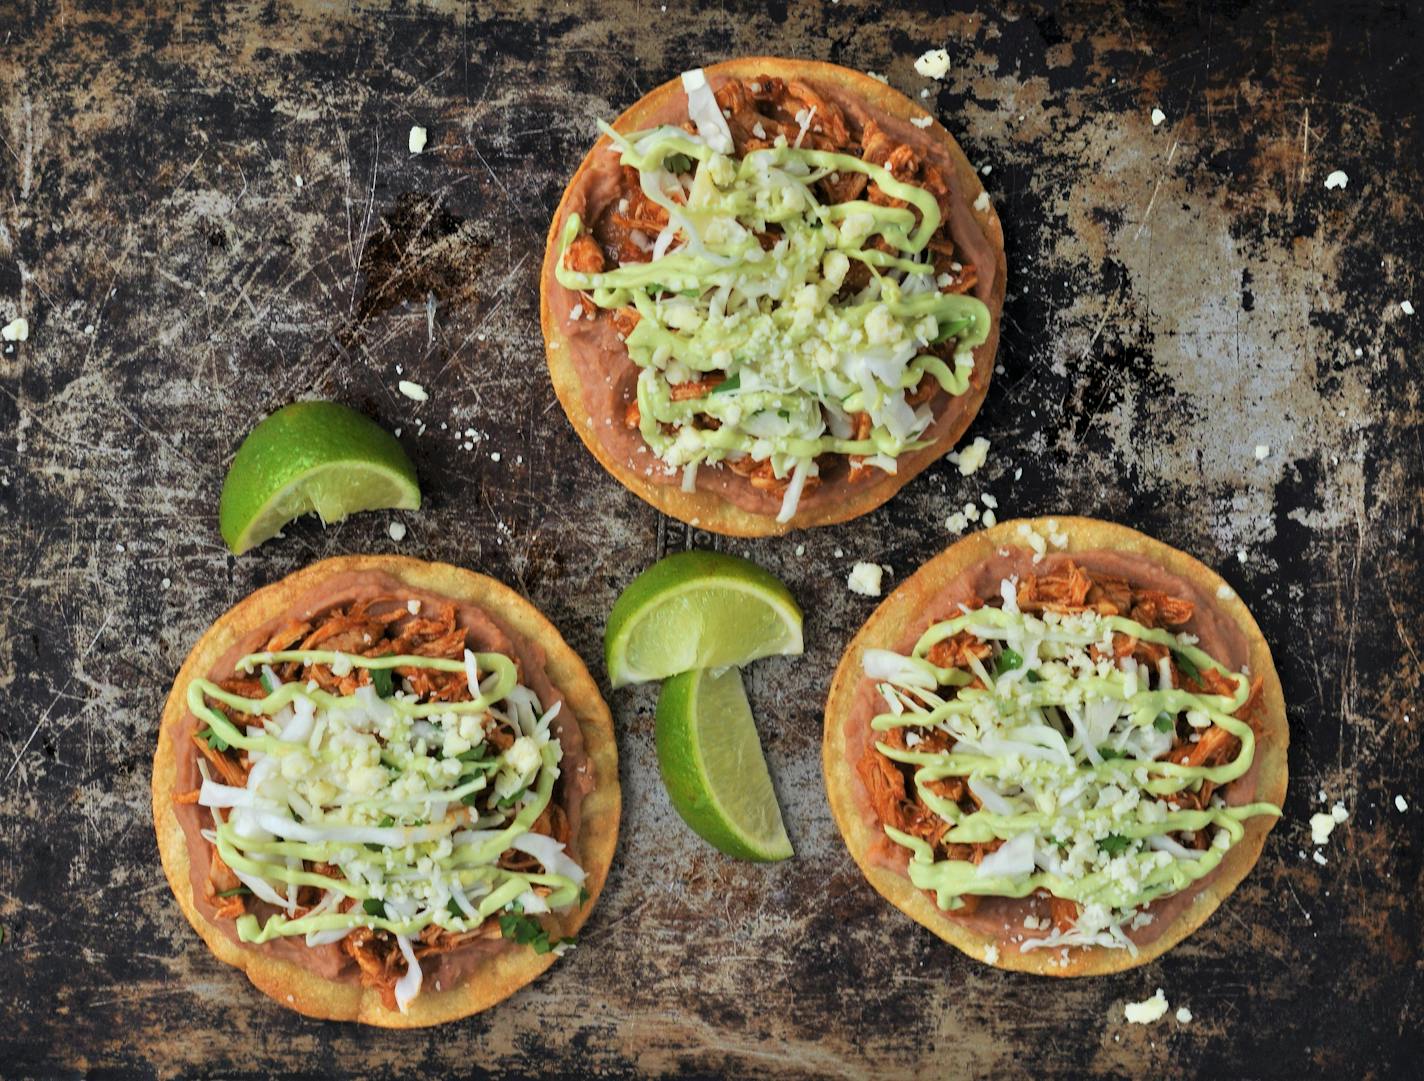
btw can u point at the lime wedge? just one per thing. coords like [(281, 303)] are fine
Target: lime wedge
[(698, 610), (311, 456), (713, 766)]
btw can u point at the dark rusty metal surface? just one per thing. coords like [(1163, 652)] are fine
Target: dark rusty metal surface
[(207, 211)]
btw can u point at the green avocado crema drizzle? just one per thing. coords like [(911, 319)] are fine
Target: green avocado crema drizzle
[(1064, 755), (404, 798), (798, 363)]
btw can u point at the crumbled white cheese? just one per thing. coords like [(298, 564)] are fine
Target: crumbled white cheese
[(800, 549), (413, 606), (989, 501), (1262, 452), (1321, 826), (1148, 1010), (956, 522), (1241, 555), (1406, 307), (414, 391), (1319, 857), (878, 77), (971, 457), (991, 954), (417, 140), (864, 578), (1158, 116), (922, 121), (1337, 179), (989, 519), (981, 203), (1339, 813), (1224, 592), (1184, 1015), (1401, 804), (16, 331), (396, 530), (933, 64)]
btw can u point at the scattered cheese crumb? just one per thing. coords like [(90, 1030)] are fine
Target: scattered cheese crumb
[(1339, 813), (1319, 857), (956, 522), (166, 582), (396, 530), (981, 203), (1146, 1011), (864, 578), (986, 169), (800, 549), (1184, 1015), (417, 140), (1224, 592), (1262, 452), (922, 121), (494, 456), (991, 954), (1401, 804), (298, 179), (1158, 116), (17, 331), (413, 606), (933, 64), (1321, 826), (971, 457), (1337, 179), (414, 391), (990, 519), (1241, 555), (1406, 307), (876, 75)]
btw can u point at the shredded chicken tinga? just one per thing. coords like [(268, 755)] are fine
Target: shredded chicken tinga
[(784, 276), (373, 783), (1063, 740)]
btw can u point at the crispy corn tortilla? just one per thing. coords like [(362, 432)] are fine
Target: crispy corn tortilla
[(708, 510), (506, 971), (900, 617)]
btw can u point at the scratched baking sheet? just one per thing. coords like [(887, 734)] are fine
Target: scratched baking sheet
[(206, 212)]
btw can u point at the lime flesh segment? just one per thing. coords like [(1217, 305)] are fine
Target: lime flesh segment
[(713, 768), (312, 457), (698, 610)]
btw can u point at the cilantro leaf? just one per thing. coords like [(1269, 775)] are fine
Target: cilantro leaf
[(234, 892), (1107, 754), (373, 907), (527, 931), (210, 736), (381, 680), (1114, 844), (1187, 666), (1164, 722), (510, 800), (677, 163), (1008, 660)]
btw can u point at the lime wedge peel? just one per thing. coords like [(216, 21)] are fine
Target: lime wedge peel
[(312, 457), (697, 610), (713, 767)]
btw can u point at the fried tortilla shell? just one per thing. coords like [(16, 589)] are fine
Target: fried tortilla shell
[(898, 622), (596, 412), (504, 971)]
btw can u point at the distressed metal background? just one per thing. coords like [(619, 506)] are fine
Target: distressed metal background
[(208, 211)]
